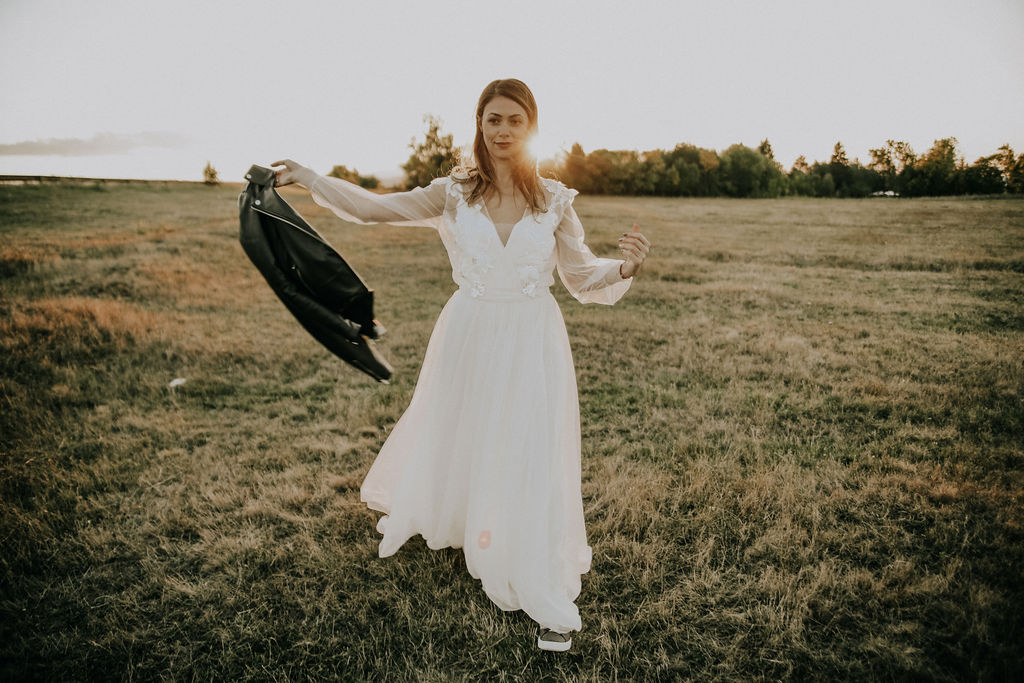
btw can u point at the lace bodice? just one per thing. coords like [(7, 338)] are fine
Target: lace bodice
[(481, 264)]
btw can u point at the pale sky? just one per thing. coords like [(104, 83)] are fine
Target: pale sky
[(155, 89)]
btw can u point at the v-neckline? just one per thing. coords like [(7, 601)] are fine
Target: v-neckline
[(494, 226)]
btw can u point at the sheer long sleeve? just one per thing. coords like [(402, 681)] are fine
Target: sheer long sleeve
[(422, 206), (588, 278)]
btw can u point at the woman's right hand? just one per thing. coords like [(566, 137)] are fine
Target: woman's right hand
[(291, 173)]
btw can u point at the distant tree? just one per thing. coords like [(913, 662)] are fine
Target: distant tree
[(839, 156), (883, 164), (779, 178), (827, 187), (983, 177), (599, 166), (616, 172), (210, 174), (862, 180), (902, 154), (938, 168), (368, 181), (684, 172), (709, 163), (432, 158), (670, 184), (1012, 168), (689, 179), (655, 171), (839, 168), (746, 172), (1016, 182), (344, 173), (631, 174), (881, 160), (1004, 159), (801, 182), (903, 161), (576, 172)]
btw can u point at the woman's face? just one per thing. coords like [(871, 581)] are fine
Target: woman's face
[(505, 127)]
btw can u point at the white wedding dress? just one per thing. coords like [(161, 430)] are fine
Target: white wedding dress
[(487, 455)]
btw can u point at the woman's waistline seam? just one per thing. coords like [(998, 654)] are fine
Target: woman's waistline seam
[(512, 297)]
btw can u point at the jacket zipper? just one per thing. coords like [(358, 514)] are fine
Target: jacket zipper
[(285, 220)]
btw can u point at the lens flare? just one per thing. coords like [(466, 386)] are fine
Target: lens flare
[(533, 147), (545, 149), (485, 539)]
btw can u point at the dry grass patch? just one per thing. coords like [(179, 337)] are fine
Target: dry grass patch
[(200, 284), (76, 322)]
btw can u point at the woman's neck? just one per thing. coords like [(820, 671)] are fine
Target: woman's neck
[(504, 178)]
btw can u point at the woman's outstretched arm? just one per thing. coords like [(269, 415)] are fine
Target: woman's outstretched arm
[(421, 206), (591, 279)]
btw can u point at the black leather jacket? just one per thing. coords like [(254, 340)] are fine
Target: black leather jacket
[(316, 284)]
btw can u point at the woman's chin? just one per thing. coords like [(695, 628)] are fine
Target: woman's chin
[(506, 155), (510, 152)]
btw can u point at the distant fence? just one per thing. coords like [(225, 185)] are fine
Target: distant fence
[(71, 180)]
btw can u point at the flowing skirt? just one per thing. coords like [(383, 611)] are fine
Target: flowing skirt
[(487, 455)]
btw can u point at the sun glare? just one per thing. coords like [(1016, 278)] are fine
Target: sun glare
[(542, 148)]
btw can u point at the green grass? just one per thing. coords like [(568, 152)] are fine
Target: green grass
[(802, 450)]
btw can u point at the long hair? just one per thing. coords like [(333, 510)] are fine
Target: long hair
[(480, 173)]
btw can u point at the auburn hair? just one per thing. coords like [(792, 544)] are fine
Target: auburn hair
[(479, 173)]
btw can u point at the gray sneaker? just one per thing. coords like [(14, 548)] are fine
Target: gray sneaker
[(553, 640)]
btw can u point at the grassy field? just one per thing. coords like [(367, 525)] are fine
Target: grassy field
[(803, 450)]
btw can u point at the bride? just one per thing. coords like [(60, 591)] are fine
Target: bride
[(487, 455)]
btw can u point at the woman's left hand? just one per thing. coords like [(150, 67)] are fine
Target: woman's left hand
[(634, 247), (292, 173)]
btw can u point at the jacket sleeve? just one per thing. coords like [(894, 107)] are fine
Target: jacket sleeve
[(422, 206), (588, 278)]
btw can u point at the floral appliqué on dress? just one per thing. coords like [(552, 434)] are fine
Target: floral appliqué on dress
[(475, 256)]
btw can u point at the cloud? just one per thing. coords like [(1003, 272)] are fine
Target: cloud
[(97, 145)]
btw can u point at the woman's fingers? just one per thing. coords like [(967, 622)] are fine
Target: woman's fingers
[(633, 249), (283, 176), (634, 246), (641, 246), (638, 236), (630, 250)]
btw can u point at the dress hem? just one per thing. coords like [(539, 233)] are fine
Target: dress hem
[(377, 506)]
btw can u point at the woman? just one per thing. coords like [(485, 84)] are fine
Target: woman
[(487, 455)]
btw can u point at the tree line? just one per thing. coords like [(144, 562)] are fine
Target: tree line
[(740, 171)]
